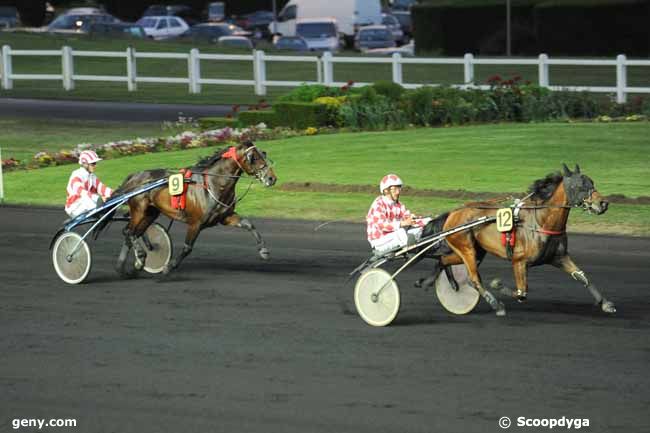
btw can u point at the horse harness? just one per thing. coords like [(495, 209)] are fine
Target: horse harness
[(178, 201)]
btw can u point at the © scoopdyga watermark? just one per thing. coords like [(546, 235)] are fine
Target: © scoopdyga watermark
[(550, 423), (41, 423)]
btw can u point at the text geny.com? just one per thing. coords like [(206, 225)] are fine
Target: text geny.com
[(40, 423)]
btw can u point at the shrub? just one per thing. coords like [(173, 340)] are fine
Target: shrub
[(392, 91), (418, 104), (210, 123), (372, 111), (309, 92), (333, 108), (255, 117), (301, 115)]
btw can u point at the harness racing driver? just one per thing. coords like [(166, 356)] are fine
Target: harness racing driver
[(389, 223), (85, 190)]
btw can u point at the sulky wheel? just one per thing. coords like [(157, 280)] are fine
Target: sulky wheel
[(158, 246), (71, 258), (376, 297), (460, 301)]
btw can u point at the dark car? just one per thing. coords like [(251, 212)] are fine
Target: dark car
[(117, 30), (291, 43), (79, 22), (256, 22), (404, 18), (402, 5), (370, 37), (211, 32), (187, 13), (9, 17)]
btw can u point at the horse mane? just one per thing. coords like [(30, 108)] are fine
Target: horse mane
[(209, 161), (545, 187)]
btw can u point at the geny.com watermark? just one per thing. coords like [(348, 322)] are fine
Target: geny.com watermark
[(550, 423), (41, 423)]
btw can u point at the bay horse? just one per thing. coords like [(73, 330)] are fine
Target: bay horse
[(540, 235), (210, 199)]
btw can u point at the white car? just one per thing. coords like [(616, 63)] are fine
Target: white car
[(321, 34), (163, 27)]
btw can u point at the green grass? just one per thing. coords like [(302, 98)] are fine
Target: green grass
[(214, 94), (22, 138), (507, 157)]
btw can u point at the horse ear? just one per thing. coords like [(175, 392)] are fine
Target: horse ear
[(567, 172), (577, 168)]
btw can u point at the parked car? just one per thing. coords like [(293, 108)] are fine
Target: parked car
[(211, 32), (183, 11), (257, 23), (404, 18), (216, 11), (9, 17), (394, 26), (370, 37), (349, 15), (402, 5), (78, 20), (321, 34), (291, 43), (117, 30), (236, 42), (163, 27)]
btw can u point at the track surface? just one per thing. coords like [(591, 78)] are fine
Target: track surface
[(114, 111), (234, 344)]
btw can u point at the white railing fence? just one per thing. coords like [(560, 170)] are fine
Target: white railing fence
[(324, 68)]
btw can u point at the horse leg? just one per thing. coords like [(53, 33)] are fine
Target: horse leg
[(567, 264), (243, 223), (190, 237), (428, 282), (520, 270), (468, 254)]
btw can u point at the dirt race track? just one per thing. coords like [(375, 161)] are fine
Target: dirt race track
[(233, 344)]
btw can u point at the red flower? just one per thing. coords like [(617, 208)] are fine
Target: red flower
[(494, 79)]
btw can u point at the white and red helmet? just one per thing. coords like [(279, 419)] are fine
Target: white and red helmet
[(88, 157), (388, 181)]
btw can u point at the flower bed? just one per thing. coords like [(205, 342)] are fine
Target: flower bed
[(184, 140)]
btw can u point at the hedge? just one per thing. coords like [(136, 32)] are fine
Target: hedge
[(576, 27), (209, 123), (301, 115), (255, 117)]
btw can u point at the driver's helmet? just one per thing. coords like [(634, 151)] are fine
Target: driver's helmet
[(88, 157), (388, 181)]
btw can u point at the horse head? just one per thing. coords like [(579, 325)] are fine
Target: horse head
[(255, 163), (581, 192)]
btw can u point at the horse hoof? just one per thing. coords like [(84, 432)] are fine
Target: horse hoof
[(520, 296), (608, 307), (501, 310), (265, 254), (496, 284), (166, 270)]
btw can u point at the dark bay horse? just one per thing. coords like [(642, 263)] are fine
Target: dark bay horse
[(540, 235), (210, 199)]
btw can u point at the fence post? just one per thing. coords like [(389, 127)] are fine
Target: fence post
[(7, 82), (319, 69), (468, 69), (131, 71), (259, 72), (2, 188), (543, 70), (328, 71), (67, 66), (397, 68), (621, 79), (194, 70)]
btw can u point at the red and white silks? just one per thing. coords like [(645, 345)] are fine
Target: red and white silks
[(383, 224), (84, 190)]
